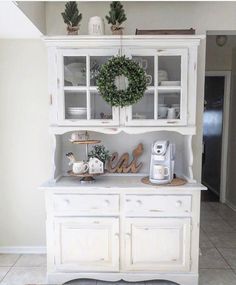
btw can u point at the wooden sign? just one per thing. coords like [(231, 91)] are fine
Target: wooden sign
[(122, 165)]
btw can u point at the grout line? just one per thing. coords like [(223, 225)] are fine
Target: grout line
[(5, 273), (20, 255), (224, 258)]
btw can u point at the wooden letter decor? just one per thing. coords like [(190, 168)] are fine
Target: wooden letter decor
[(122, 165)]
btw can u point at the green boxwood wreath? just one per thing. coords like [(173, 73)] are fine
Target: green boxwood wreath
[(117, 66)]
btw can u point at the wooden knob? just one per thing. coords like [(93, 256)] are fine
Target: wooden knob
[(178, 204), (107, 202), (139, 202)]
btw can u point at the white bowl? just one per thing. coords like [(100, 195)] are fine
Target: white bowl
[(170, 83), (79, 111)]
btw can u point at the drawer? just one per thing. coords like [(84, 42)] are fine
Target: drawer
[(86, 203), (157, 205)]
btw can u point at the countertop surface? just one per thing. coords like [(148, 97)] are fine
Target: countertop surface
[(115, 182)]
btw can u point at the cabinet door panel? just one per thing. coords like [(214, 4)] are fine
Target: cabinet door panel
[(165, 101), (79, 102), (160, 244), (87, 244)]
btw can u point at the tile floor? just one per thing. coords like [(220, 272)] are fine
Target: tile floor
[(217, 259)]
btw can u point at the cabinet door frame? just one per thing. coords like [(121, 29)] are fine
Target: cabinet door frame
[(183, 89), (182, 224), (111, 224), (87, 53)]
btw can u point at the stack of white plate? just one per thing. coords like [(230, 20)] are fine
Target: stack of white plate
[(170, 83), (79, 112)]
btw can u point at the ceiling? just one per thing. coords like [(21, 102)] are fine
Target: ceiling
[(14, 23)]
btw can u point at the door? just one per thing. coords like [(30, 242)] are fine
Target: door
[(80, 103), (165, 100), (87, 244), (157, 244), (212, 133)]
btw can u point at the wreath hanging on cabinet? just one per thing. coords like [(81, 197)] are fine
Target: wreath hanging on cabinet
[(120, 70)]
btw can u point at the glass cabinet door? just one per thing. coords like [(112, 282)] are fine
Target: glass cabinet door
[(165, 101), (79, 100)]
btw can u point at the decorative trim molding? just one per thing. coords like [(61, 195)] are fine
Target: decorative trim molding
[(23, 249)]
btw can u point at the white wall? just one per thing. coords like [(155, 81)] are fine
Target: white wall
[(24, 104), (24, 150)]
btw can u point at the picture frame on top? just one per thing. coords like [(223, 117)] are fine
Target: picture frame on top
[(190, 31)]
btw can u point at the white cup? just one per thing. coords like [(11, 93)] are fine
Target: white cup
[(162, 111), (75, 136), (80, 167), (171, 113), (149, 79), (160, 171)]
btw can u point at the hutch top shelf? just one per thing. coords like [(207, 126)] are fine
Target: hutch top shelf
[(170, 64)]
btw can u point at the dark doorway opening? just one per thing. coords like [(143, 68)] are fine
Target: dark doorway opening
[(212, 136)]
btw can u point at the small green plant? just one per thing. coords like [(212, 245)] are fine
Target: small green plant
[(71, 16), (116, 15), (100, 152)]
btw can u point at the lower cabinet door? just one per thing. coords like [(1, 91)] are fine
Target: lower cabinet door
[(87, 244), (157, 244)]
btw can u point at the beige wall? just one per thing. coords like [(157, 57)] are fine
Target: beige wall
[(24, 142), (219, 58), (36, 12), (231, 178), (24, 104)]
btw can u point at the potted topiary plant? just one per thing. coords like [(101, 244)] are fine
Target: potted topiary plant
[(100, 152), (72, 17), (116, 17)]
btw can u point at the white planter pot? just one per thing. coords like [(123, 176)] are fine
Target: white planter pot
[(96, 26)]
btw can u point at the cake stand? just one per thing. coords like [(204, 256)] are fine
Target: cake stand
[(86, 177)]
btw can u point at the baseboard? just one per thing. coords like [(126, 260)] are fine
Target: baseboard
[(232, 206), (23, 249), (211, 189)]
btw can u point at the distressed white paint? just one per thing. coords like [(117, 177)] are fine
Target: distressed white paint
[(183, 46), (156, 229)]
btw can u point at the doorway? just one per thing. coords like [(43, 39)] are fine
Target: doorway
[(215, 134)]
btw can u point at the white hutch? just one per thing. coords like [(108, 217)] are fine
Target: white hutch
[(119, 228)]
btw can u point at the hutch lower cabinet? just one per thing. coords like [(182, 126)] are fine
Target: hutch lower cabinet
[(131, 231)]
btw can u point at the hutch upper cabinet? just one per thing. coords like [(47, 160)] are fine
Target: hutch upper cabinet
[(170, 65)]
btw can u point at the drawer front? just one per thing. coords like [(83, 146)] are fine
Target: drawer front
[(86, 204), (157, 205)]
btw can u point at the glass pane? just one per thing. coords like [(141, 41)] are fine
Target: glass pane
[(144, 109), (169, 105), (75, 71), (100, 109), (75, 105), (95, 64), (169, 70), (147, 63)]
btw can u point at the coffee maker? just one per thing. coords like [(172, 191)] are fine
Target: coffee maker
[(162, 162)]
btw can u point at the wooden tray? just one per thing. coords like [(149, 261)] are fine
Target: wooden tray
[(86, 177), (86, 174), (175, 182), (85, 141)]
